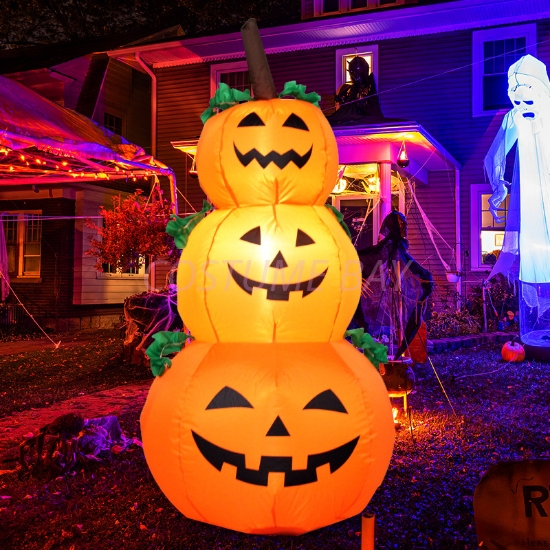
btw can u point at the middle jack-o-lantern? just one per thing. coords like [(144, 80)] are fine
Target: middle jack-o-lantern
[(281, 273), (276, 438)]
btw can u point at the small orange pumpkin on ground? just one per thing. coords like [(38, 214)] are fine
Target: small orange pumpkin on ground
[(513, 351)]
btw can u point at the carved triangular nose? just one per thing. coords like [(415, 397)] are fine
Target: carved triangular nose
[(279, 261), (277, 428)]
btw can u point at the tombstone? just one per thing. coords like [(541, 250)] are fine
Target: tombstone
[(512, 506)]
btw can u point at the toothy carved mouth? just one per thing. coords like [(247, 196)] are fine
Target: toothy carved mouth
[(279, 160), (217, 456), (276, 291)]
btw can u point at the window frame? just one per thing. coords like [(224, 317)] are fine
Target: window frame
[(19, 274), (529, 31), (476, 192), (116, 114), (218, 69), (142, 271), (371, 49)]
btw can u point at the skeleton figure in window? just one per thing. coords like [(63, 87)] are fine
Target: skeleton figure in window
[(526, 248), (361, 94)]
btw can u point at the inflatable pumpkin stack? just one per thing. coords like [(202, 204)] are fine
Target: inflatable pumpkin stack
[(269, 422)]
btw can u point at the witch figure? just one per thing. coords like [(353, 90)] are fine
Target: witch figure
[(525, 254), (358, 99), (399, 287)]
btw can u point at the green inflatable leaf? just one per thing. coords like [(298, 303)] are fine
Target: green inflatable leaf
[(224, 98), (376, 353), (165, 343), (299, 92), (180, 228), (340, 218)]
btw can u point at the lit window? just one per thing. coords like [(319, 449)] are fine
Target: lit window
[(235, 75), (487, 235), (110, 269), (345, 55), (494, 51), (492, 232), (23, 242)]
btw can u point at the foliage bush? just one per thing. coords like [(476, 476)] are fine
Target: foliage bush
[(450, 323), (133, 229), (501, 297)]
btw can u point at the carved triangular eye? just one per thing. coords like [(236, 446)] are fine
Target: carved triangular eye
[(327, 401), (251, 120), (303, 239), (227, 398), (253, 236), (294, 121)]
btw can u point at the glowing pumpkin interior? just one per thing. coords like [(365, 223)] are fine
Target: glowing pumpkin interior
[(278, 442), (278, 151), (281, 273)]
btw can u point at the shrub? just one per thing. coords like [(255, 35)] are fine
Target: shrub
[(452, 323), (500, 298), (133, 229)]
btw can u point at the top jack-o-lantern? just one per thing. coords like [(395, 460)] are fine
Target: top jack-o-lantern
[(275, 151), (269, 150)]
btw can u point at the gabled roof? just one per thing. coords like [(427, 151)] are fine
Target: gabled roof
[(339, 31)]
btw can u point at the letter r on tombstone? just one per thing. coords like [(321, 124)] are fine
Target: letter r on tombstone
[(530, 498)]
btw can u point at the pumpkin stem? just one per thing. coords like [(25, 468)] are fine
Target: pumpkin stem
[(260, 74)]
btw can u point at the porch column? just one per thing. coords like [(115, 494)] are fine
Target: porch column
[(385, 190)]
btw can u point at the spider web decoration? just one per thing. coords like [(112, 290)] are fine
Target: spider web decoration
[(42, 142), (148, 313), (70, 441)]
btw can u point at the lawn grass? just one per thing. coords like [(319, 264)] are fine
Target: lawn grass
[(40, 378), (501, 413)]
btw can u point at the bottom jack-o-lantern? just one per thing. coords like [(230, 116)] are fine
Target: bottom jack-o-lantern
[(269, 438)]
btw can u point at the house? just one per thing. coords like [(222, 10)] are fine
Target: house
[(58, 168), (440, 70)]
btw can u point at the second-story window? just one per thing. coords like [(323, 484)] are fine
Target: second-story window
[(345, 55), (493, 52), (326, 7), (113, 123), (234, 74)]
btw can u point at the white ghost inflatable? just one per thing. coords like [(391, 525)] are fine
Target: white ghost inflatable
[(525, 253)]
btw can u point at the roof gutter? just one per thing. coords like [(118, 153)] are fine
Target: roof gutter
[(170, 174), (371, 26)]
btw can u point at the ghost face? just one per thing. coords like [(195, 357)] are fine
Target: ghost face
[(527, 101)]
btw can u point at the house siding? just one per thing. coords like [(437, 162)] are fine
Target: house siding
[(418, 83), (427, 79), (126, 93), (69, 287), (53, 295), (138, 123), (183, 94), (307, 9), (92, 287), (436, 199)]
